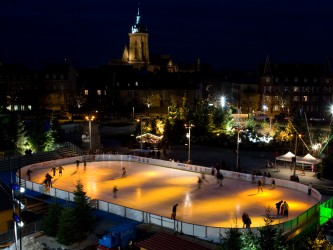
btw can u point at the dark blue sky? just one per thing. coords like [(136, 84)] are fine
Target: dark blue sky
[(229, 34)]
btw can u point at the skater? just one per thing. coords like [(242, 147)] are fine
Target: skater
[(60, 168), (273, 184), (199, 182), (124, 174), (84, 162), (48, 180), (285, 209), (115, 190), (54, 170), (278, 206), (77, 163), (174, 211), (244, 218), (248, 221), (260, 186), (219, 177), (310, 188), (29, 172)]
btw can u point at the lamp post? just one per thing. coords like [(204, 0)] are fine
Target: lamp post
[(189, 126), (295, 155), (140, 120), (239, 129), (90, 118)]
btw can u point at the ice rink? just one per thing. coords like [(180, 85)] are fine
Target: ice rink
[(156, 189)]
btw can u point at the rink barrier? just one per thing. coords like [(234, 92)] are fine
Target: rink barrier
[(200, 231)]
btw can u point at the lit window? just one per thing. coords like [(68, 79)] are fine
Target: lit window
[(29, 107), (22, 107), (295, 98), (15, 107), (86, 92), (136, 84), (105, 92), (268, 79), (305, 98), (296, 89), (276, 108), (99, 92)]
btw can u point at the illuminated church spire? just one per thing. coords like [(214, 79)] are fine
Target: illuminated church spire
[(137, 27)]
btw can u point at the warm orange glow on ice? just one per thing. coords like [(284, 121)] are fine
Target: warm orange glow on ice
[(156, 189)]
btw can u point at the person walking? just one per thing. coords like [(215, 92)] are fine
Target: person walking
[(286, 209), (174, 211), (278, 206), (115, 190), (260, 186), (60, 168), (310, 189)]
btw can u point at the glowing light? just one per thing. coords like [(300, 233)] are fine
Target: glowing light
[(222, 101)]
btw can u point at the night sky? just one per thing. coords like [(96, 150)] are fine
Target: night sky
[(228, 34)]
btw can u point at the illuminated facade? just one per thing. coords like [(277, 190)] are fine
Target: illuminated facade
[(286, 87)]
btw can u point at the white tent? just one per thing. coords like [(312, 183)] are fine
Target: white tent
[(286, 157), (309, 159)]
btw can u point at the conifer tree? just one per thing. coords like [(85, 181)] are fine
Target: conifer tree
[(50, 222), (232, 239), (67, 228), (82, 209), (22, 140)]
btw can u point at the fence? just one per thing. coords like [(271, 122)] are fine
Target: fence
[(28, 229), (200, 231)]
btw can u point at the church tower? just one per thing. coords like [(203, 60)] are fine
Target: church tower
[(138, 52)]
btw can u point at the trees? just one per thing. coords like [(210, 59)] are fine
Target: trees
[(70, 224), (50, 222), (82, 210)]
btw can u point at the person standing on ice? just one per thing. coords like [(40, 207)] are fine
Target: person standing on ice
[(60, 168), (174, 211), (124, 174)]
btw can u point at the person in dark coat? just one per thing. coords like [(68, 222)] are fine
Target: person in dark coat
[(174, 211), (278, 206)]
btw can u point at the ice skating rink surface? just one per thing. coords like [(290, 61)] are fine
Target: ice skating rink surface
[(156, 189)]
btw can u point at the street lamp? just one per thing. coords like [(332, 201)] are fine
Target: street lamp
[(90, 118), (222, 101), (239, 129), (297, 135), (140, 120), (189, 126)]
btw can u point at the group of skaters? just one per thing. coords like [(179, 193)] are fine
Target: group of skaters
[(282, 208), (48, 178)]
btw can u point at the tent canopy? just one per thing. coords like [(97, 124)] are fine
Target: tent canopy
[(307, 159), (286, 157)]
